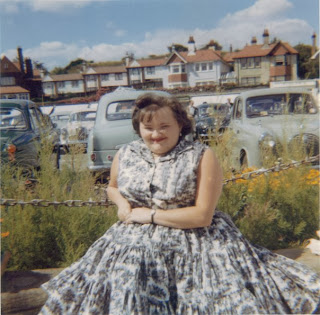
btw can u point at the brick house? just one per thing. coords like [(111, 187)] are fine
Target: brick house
[(18, 79), (261, 63)]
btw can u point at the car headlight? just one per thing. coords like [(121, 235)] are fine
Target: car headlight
[(267, 141)]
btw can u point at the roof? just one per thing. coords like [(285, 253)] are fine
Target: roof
[(65, 77), (152, 62), (200, 55), (262, 50), (7, 66), (12, 89), (106, 69)]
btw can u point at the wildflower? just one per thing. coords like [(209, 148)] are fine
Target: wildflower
[(5, 234)]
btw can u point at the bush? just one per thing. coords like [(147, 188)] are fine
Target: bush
[(43, 237)]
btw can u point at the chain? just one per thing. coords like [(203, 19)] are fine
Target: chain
[(276, 168), (105, 203)]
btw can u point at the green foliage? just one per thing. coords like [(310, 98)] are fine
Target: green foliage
[(47, 237), (307, 68)]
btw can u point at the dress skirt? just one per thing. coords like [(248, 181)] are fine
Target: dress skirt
[(152, 269)]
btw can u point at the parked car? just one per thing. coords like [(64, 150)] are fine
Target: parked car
[(23, 128), (78, 127), (269, 123), (209, 118), (112, 129), (60, 119)]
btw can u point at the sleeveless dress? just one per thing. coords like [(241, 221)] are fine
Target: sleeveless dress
[(153, 269)]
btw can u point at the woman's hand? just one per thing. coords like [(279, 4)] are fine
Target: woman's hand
[(139, 215)]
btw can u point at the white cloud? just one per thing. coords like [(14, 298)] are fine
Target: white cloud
[(13, 6)]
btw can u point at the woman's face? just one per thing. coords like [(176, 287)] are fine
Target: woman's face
[(161, 134)]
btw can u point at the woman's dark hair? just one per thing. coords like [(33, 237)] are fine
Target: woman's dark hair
[(147, 104)]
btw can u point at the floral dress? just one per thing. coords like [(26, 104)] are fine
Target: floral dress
[(153, 269)]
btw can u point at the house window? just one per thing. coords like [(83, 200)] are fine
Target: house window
[(104, 77), (175, 69), (197, 67), (118, 76), (203, 67), (61, 84), (75, 84), (7, 81), (243, 62), (250, 62), (257, 62), (135, 71), (90, 78), (48, 85), (280, 60), (183, 68), (151, 70), (210, 65)]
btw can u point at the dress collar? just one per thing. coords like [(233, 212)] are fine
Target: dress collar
[(141, 148)]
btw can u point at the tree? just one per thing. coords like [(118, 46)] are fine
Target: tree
[(214, 44), (307, 67), (177, 48)]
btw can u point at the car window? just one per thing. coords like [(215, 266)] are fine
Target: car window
[(34, 118), (12, 118), (83, 116), (280, 104), (120, 110)]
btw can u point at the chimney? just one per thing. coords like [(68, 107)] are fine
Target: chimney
[(211, 45), (314, 44), (128, 58), (29, 68), (254, 40), (191, 46), (265, 36), (20, 58)]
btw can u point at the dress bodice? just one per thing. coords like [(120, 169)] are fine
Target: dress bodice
[(170, 182)]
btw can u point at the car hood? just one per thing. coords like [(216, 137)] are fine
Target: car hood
[(283, 127)]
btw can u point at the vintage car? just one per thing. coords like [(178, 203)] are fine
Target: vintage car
[(78, 128), (273, 123), (208, 119), (112, 129), (60, 119), (23, 128)]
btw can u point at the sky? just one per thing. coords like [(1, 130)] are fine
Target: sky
[(55, 32)]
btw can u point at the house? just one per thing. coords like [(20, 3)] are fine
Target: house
[(96, 78), (61, 84), (151, 72), (261, 63), (195, 67), (19, 79)]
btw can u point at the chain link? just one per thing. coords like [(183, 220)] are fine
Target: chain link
[(105, 203)]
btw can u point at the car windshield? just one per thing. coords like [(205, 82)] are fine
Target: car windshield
[(60, 118), (120, 110), (83, 116), (280, 104), (213, 110), (12, 118)]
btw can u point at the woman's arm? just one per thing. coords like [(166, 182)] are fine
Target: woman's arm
[(124, 208), (209, 188)]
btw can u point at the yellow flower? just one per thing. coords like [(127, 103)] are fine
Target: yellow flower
[(5, 234)]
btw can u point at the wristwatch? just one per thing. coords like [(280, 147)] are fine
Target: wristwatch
[(153, 212)]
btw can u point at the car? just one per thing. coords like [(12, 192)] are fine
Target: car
[(23, 128), (112, 129), (209, 117), (78, 128), (273, 123), (60, 119)]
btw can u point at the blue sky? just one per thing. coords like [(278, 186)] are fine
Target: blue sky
[(57, 31)]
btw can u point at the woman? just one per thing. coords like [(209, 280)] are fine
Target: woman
[(171, 252)]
